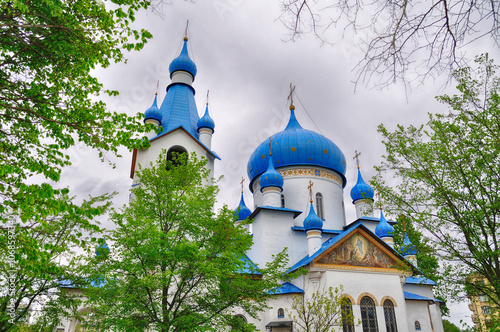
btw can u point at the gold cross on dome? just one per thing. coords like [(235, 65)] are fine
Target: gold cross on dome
[(290, 96), (207, 95), (310, 190), (270, 145), (404, 222), (356, 155), (242, 180)]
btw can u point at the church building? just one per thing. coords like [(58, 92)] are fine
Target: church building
[(297, 178)]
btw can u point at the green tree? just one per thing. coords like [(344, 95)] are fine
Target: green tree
[(324, 311), (447, 182), (450, 327), (47, 104), (174, 264)]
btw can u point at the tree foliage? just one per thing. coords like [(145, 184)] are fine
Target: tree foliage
[(48, 49), (321, 312), (174, 264), (398, 40), (448, 181), (47, 91)]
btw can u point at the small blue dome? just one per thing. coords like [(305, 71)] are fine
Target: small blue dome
[(361, 190), (408, 248), (183, 62), (153, 112), (383, 228), (271, 178), (312, 221), (241, 212), (102, 249), (296, 146), (206, 121)]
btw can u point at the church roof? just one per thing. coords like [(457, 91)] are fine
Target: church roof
[(383, 228), (183, 62), (178, 109), (273, 208), (416, 297), (271, 177), (361, 190), (312, 221), (420, 281), (287, 288), (296, 146), (153, 112), (332, 241), (249, 267), (242, 212), (206, 121)]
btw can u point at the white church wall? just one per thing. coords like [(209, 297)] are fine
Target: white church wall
[(176, 137)]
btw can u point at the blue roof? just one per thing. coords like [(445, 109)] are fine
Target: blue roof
[(183, 62), (296, 146), (271, 178), (273, 208), (153, 112), (286, 288), (241, 212), (312, 221), (249, 267), (408, 248), (361, 190), (324, 231), (420, 281), (206, 121), (102, 248), (412, 296), (178, 109), (383, 228)]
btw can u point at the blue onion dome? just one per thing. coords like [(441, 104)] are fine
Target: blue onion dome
[(183, 62), (312, 220), (384, 229), (271, 177), (361, 190), (408, 248), (296, 146), (242, 212), (206, 121), (102, 249), (153, 112)]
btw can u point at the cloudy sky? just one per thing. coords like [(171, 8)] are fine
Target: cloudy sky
[(242, 56)]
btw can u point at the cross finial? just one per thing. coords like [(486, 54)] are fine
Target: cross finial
[(157, 87), (310, 190), (186, 31), (404, 222), (208, 91), (270, 146), (356, 155), (290, 96), (242, 180)]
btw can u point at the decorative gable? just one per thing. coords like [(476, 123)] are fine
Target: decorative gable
[(359, 251)]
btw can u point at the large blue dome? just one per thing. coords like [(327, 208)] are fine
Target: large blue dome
[(296, 146)]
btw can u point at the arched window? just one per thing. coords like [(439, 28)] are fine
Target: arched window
[(319, 205), (390, 316), (239, 322), (347, 315), (282, 200), (368, 315), (281, 313), (417, 326), (175, 150)]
